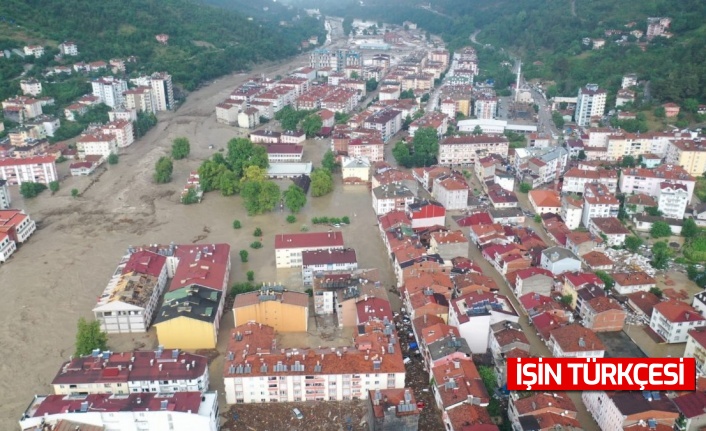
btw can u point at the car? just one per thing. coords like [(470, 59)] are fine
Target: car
[(210, 147), (297, 413), (406, 360)]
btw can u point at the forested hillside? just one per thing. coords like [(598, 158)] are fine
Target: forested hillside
[(205, 41), (550, 32)]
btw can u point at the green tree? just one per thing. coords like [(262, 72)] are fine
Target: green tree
[(558, 120), (525, 187), (402, 155), (74, 193), (538, 218), (260, 196), (311, 125), (113, 159), (656, 291), (689, 228), (239, 288), (210, 172), (567, 300), (691, 105), (291, 218), (407, 94), (257, 232), (653, 211), (163, 170), (256, 245), (606, 279), (329, 161), (660, 229), (660, 255), (294, 198), (243, 153), (244, 256), (250, 275), (426, 146), (54, 186), (191, 197), (628, 162), (633, 243), (228, 183), (321, 182), (582, 155), (30, 190), (477, 130), (180, 148), (371, 85), (660, 112), (236, 224), (89, 337)]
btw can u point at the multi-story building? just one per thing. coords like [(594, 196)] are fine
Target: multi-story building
[(648, 181), (571, 211), (544, 406), (96, 144), (37, 169), (448, 244), (423, 213), (620, 410), (161, 371), (109, 90), (631, 282), (673, 319), (31, 87), (629, 80), (696, 348), (122, 130), (182, 411), (68, 48), (485, 107), (451, 192), (658, 26), (575, 180), (21, 108), (15, 228), (275, 306), (689, 154), (318, 261), (392, 409), (590, 103), (575, 341), (598, 201), (673, 199), (355, 170), (387, 122), (284, 153), (559, 260), (162, 91), (473, 314), (289, 247), (465, 150), (34, 50), (140, 99), (371, 148), (545, 201), (609, 228), (390, 197), (5, 199), (256, 371), (602, 314)]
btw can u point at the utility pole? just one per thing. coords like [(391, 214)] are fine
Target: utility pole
[(517, 84)]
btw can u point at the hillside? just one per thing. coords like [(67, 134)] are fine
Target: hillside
[(205, 41)]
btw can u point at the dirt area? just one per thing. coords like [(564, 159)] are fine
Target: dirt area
[(318, 416)]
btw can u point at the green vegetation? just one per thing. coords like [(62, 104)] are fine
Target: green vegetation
[(653, 211), (567, 299), (74, 193), (145, 121), (660, 229), (89, 337), (633, 243), (329, 161), (180, 148), (30, 190), (243, 256), (294, 200), (251, 275), (71, 129), (525, 187), (660, 255), (256, 245), (54, 186), (657, 292), (321, 182), (425, 146), (331, 220), (538, 218), (236, 224), (290, 118), (695, 248), (113, 159), (163, 170), (257, 232), (311, 125), (689, 228), (239, 288), (606, 279), (291, 219), (487, 374), (558, 119), (517, 140), (371, 85), (191, 197)]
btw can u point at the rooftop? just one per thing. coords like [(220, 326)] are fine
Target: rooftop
[(576, 338), (540, 401), (636, 278), (604, 303), (271, 293), (309, 240), (330, 256), (677, 311), (634, 402), (193, 302), (545, 198), (610, 226)]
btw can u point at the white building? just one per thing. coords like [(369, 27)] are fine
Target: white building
[(649, 181), (475, 312), (559, 260), (140, 99), (122, 130), (289, 247), (598, 202), (284, 153), (696, 348), (575, 341), (4, 195), (485, 108), (571, 211), (38, 169), (451, 192), (672, 200), (96, 144), (185, 411), (34, 50), (391, 197), (465, 150), (575, 180), (590, 103), (629, 80), (68, 48), (30, 87), (162, 91), (627, 410), (109, 90), (673, 319), (318, 261), (355, 167), (611, 228)]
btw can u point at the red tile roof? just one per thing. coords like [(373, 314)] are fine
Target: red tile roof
[(475, 219), (540, 401), (27, 161), (322, 257), (568, 338), (309, 240), (145, 262), (677, 311), (373, 309), (179, 402), (691, 405), (699, 335)]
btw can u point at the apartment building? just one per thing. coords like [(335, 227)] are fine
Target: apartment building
[(545, 201), (673, 199), (15, 227), (571, 211), (451, 192), (541, 405), (609, 227), (183, 411), (5, 199), (602, 314), (392, 409), (284, 153), (689, 154), (590, 103), (390, 197), (575, 180), (141, 99), (30, 87), (316, 262), (37, 169), (256, 371), (289, 247), (598, 201), (575, 341), (68, 48), (620, 410), (473, 314), (96, 143), (387, 122), (355, 170), (696, 348), (21, 108), (122, 130), (485, 107), (275, 306), (648, 181), (371, 148), (465, 150), (110, 90), (673, 319)]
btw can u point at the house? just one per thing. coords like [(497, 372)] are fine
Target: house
[(559, 260), (603, 314), (501, 198), (575, 341), (391, 197), (648, 181), (15, 228), (571, 211), (96, 143), (538, 404), (289, 247), (392, 409), (473, 314), (673, 319), (699, 302), (581, 243), (34, 50), (696, 348), (631, 282), (506, 341), (448, 244), (642, 304), (597, 261), (424, 213), (253, 377), (687, 153), (368, 147), (68, 48), (451, 192), (691, 406), (458, 382), (30, 87), (626, 409), (284, 153), (36, 169), (248, 118), (636, 204), (162, 371), (610, 229), (318, 261), (598, 202), (643, 223), (180, 411), (387, 121), (355, 170), (533, 280), (275, 306), (512, 216), (465, 150), (672, 200), (545, 201), (671, 110), (582, 286)]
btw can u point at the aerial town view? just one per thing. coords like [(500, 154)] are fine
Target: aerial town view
[(318, 215)]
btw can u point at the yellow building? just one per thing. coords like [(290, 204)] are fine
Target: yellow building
[(273, 306), (189, 318), (689, 154)]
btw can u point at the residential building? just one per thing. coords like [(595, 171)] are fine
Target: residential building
[(387, 122), (122, 130), (671, 110), (391, 197), (275, 306), (4, 195), (545, 201), (598, 202), (571, 211), (648, 181), (642, 304), (284, 153), (473, 314), (689, 154), (485, 107), (644, 222), (182, 411), (581, 243), (673, 319), (141, 99), (34, 50), (539, 404), (696, 348), (623, 410), (597, 261), (451, 192), (672, 200), (699, 302), (590, 103), (602, 314), (96, 143), (610, 228), (392, 410), (190, 316), (371, 148), (448, 244), (457, 382), (500, 198), (373, 362), (161, 371), (247, 118), (691, 406), (533, 280), (15, 227), (30, 87), (559, 260), (575, 180), (162, 91), (423, 213), (631, 282), (629, 80), (355, 170), (37, 169), (109, 90), (575, 341), (624, 97), (316, 262), (289, 247), (465, 150), (637, 203), (68, 48)]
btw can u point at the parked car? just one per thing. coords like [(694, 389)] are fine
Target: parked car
[(297, 413)]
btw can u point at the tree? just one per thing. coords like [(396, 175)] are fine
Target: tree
[(294, 198), (567, 300), (30, 190), (250, 275), (606, 279), (191, 197), (329, 161), (426, 146), (402, 155), (228, 183), (256, 245), (538, 218), (660, 255), (407, 94), (345, 220), (321, 182), (525, 187), (74, 193), (653, 211), (291, 219), (260, 196), (660, 112), (689, 228), (90, 337), (180, 148), (243, 256), (54, 186), (163, 170), (257, 232), (633, 243), (243, 153), (113, 159), (656, 291), (371, 85), (558, 120), (210, 172), (477, 130), (236, 224), (582, 155), (660, 229), (424, 98), (239, 288), (628, 162), (311, 125)]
